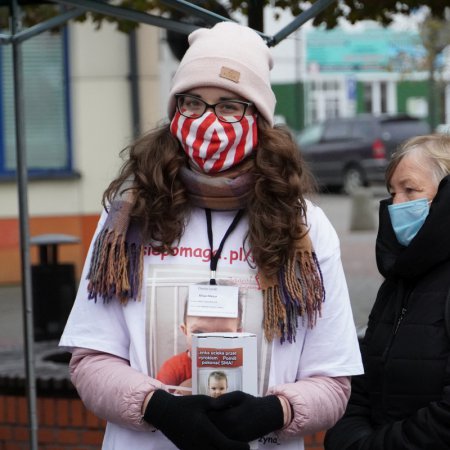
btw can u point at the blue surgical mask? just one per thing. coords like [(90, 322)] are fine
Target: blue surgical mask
[(407, 218)]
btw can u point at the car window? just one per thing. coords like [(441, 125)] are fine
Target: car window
[(310, 135), (362, 129), (337, 131), (400, 130)]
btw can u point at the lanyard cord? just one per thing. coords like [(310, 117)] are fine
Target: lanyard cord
[(215, 256)]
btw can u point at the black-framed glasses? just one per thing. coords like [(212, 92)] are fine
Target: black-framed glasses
[(229, 111)]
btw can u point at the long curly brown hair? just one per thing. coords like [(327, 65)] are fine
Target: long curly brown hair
[(276, 209)]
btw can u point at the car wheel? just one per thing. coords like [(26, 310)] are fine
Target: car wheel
[(353, 179)]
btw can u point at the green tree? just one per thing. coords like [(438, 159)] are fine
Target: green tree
[(352, 10), (434, 30), (435, 37)]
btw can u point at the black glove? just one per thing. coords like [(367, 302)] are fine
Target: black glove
[(244, 417), (184, 420)]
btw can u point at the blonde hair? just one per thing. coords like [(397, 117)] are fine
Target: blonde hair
[(434, 148)]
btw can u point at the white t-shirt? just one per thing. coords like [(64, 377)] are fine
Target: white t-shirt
[(147, 332)]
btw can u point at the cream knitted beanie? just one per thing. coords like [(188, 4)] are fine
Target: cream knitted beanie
[(228, 56)]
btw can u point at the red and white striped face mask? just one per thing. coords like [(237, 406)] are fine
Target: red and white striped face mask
[(212, 145)]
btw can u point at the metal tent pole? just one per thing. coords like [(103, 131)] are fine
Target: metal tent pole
[(48, 24), (196, 10), (16, 38), (310, 13), (22, 179), (129, 14)]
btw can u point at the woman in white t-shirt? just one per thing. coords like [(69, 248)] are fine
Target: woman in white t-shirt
[(217, 193)]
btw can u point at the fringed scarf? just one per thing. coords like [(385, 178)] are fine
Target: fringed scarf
[(117, 258), (296, 291)]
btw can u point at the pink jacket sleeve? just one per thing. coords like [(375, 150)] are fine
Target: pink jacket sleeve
[(110, 388), (317, 403)]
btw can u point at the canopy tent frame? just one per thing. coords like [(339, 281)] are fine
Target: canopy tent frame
[(16, 37)]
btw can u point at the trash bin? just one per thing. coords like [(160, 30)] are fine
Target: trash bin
[(53, 285)]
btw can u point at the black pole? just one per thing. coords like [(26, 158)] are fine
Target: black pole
[(134, 83), (315, 9), (432, 104), (256, 15), (22, 180)]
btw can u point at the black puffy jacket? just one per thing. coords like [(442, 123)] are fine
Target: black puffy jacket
[(402, 402)]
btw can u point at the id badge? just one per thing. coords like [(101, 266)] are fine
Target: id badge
[(213, 301)]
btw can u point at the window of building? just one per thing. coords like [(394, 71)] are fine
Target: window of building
[(383, 97), (46, 103), (323, 100), (367, 98), (375, 97)]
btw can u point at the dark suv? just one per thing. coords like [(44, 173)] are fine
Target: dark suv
[(352, 152)]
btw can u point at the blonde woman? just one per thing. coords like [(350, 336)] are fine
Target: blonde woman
[(402, 402)]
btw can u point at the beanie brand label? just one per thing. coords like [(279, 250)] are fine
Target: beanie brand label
[(230, 74)]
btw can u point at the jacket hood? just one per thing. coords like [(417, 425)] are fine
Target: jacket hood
[(430, 247)]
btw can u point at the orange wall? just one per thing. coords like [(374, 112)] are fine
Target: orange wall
[(81, 227)]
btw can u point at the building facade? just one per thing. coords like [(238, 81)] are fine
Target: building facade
[(365, 69), (89, 91), (82, 89)]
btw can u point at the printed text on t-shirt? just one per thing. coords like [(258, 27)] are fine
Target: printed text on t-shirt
[(202, 253)]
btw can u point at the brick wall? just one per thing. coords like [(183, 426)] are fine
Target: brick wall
[(65, 424), (314, 441)]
